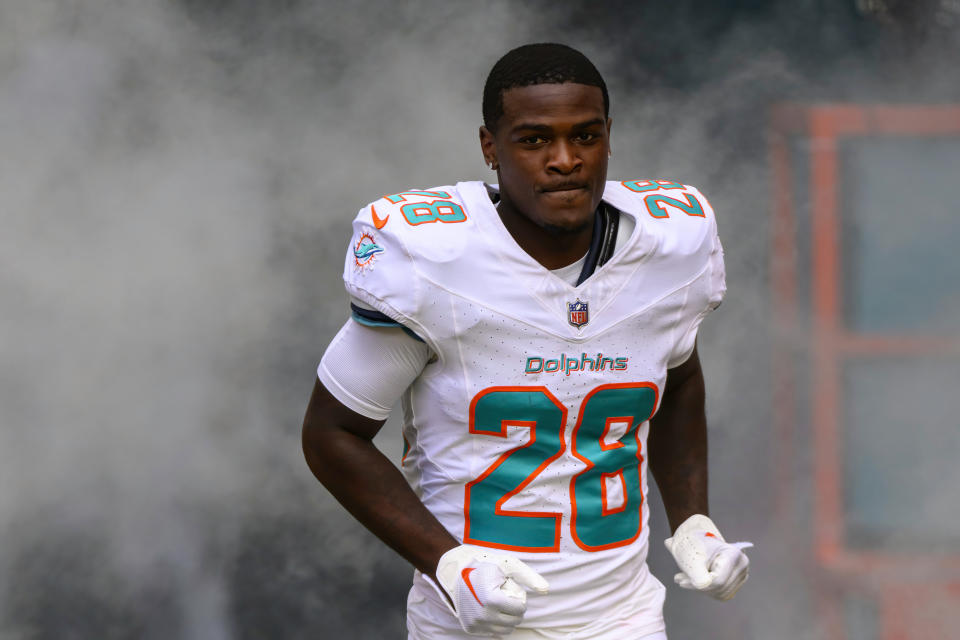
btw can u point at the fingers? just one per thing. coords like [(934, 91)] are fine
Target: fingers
[(509, 609), (698, 574), (505, 611), (497, 625), (523, 574), (734, 566), (724, 563), (505, 619), (724, 592), (498, 591), (691, 557), (513, 590), (668, 543), (489, 602), (730, 568), (497, 630), (730, 590), (700, 578)]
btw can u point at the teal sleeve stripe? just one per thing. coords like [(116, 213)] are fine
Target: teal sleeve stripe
[(369, 322), (378, 322)]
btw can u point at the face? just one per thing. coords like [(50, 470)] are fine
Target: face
[(550, 149)]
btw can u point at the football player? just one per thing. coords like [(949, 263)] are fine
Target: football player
[(541, 334)]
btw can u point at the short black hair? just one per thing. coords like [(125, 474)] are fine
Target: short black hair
[(540, 63)]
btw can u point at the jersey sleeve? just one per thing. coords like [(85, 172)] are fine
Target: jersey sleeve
[(704, 295), (368, 368), (372, 360)]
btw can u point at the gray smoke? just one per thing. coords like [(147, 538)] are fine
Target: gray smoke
[(175, 184), (176, 188)]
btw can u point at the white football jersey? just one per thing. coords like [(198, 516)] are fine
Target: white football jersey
[(528, 432)]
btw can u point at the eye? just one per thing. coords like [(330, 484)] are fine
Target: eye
[(537, 139), (585, 136)]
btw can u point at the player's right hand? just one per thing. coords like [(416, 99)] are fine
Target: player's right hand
[(488, 590)]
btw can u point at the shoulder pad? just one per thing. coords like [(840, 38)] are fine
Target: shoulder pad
[(395, 240), (658, 199), (678, 214)]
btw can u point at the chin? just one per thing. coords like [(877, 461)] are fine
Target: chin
[(565, 225), (572, 218)]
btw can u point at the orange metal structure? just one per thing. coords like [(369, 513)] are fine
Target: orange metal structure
[(904, 586)]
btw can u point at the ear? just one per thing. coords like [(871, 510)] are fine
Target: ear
[(609, 141), (488, 147)]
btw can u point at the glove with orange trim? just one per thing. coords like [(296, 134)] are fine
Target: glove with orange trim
[(488, 590), (707, 562)]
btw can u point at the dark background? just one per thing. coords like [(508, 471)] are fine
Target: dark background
[(176, 194)]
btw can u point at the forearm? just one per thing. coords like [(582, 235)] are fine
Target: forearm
[(371, 488), (677, 445), (683, 488)]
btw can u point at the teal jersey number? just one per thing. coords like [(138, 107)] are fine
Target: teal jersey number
[(491, 412), (611, 408), (689, 205), (399, 197), (597, 525), (641, 186), (443, 210)]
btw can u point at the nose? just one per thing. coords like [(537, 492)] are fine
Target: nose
[(563, 158)]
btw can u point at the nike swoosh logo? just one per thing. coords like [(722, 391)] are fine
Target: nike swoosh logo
[(378, 222), (465, 574)]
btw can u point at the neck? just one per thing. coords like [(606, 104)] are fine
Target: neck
[(552, 248)]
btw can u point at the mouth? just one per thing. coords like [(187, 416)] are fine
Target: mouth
[(566, 186)]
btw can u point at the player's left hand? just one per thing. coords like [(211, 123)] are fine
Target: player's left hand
[(708, 563)]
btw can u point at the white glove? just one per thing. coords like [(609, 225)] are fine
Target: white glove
[(708, 563), (487, 589)]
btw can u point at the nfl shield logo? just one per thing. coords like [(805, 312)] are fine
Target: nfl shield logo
[(578, 313)]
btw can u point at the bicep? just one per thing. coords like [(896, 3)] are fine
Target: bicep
[(686, 373), (682, 406), (325, 413)]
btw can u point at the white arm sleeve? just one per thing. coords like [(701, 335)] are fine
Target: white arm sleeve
[(368, 368)]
